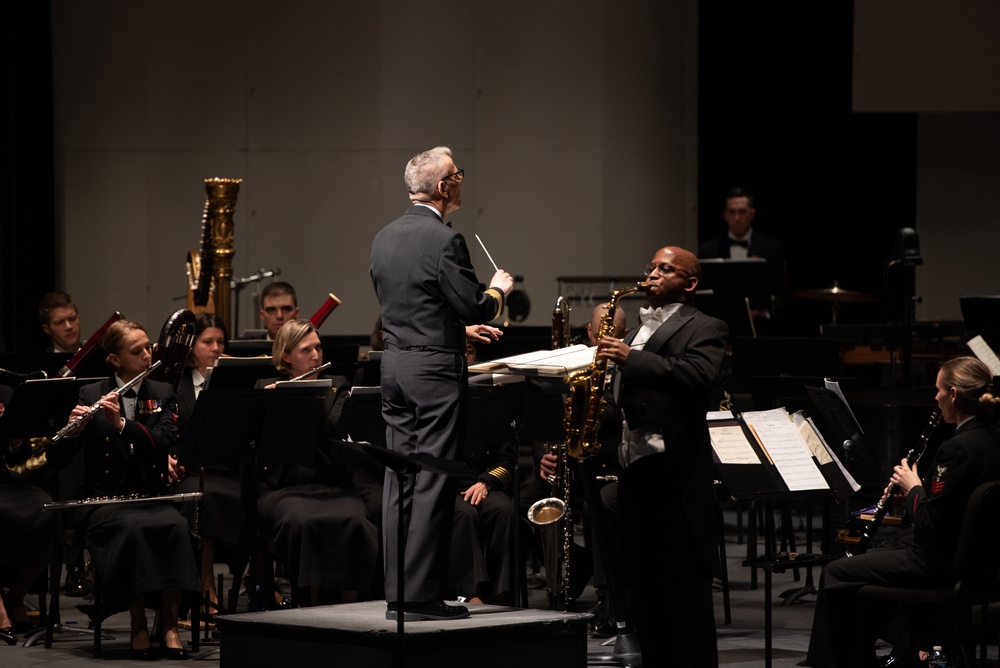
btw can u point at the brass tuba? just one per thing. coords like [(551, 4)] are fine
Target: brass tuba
[(584, 406)]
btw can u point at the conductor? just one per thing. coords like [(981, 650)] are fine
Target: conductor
[(430, 301)]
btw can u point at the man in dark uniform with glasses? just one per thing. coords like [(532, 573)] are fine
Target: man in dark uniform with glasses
[(430, 301)]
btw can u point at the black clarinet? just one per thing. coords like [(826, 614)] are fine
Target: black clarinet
[(912, 457)]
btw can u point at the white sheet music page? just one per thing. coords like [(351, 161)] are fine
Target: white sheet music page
[(982, 350), (540, 362), (731, 446), (786, 448)]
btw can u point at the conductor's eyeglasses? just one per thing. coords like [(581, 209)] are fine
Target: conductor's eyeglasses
[(663, 269), (458, 176)]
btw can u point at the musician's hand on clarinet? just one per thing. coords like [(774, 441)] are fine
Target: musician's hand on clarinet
[(483, 333), (905, 477), (612, 350), (547, 466), (502, 281)]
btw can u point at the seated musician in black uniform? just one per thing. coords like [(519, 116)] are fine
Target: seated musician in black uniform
[(844, 628), (221, 509), (26, 548), (138, 548), (317, 526), (481, 563)]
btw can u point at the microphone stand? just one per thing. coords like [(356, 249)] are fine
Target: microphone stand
[(237, 284)]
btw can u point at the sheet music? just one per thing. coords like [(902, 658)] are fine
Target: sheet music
[(824, 446), (731, 446), (540, 362), (982, 350), (785, 447)]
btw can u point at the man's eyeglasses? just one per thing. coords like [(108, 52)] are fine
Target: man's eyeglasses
[(458, 176), (663, 269)]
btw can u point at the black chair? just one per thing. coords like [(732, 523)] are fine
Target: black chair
[(974, 574)]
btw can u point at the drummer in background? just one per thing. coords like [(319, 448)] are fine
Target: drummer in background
[(60, 322), (740, 242), (143, 552), (317, 525), (221, 508)]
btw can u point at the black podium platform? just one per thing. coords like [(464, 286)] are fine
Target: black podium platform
[(358, 634)]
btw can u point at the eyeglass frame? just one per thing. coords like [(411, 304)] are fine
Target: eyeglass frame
[(650, 268), (460, 174)]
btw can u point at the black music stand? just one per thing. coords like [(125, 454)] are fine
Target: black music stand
[(239, 373), (843, 430), (362, 430), (238, 426), (728, 289), (40, 408)]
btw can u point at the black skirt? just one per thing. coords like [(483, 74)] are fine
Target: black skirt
[(27, 529), (321, 534), (139, 548)]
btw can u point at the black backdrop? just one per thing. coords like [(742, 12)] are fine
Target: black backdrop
[(775, 117)]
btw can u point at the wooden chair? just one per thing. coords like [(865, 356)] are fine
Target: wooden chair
[(974, 574)]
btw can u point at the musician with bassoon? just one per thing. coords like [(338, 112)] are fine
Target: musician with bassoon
[(667, 373), (139, 549), (844, 629), (316, 525)]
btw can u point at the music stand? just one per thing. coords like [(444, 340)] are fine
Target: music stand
[(728, 289), (238, 373), (237, 426), (28, 362), (362, 430), (856, 451), (40, 408)]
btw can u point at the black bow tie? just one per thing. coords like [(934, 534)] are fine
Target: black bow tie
[(736, 242), (129, 394)]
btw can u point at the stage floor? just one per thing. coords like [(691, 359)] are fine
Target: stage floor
[(358, 634)]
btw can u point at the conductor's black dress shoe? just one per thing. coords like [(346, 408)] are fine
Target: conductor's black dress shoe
[(414, 612)]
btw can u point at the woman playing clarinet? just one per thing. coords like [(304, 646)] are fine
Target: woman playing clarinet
[(844, 628)]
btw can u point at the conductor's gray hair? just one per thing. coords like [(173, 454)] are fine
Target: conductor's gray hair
[(424, 170)]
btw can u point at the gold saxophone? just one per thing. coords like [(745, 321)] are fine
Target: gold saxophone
[(585, 404)]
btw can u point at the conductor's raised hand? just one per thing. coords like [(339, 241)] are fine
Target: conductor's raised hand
[(502, 281)]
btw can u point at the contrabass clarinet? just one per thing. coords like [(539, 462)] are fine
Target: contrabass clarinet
[(878, 514), (552, 514)]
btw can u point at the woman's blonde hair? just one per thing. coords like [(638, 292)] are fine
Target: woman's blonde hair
[(973, 381), (286, 339)]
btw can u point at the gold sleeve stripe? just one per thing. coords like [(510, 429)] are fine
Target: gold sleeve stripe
[(498, 295), (501, 474)]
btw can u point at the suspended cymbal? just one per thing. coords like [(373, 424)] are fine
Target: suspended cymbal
[(835, 294)]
